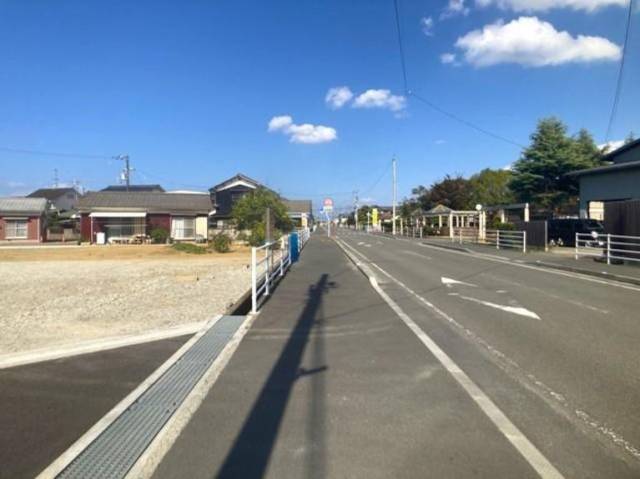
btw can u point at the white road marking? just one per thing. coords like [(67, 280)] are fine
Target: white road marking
[(449, 282), (509, 309), (413, 253), (518, 440)]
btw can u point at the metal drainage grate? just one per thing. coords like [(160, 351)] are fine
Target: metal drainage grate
[(116, 450)]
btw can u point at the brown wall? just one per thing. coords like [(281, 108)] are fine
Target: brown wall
[(33, 233), (158, 221)]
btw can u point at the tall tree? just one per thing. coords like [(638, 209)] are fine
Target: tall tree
[(452, 191), (249, 211), (491, 187), (540, 175)]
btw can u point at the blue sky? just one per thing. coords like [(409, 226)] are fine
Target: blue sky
[(188, 88)]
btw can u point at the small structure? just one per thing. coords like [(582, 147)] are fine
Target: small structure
[(60, 199), (445, 219), (124, 217), (300, 212), (23, 219), (617, 181)]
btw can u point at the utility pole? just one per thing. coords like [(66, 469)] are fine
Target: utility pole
[(355, 201), (126, 171), (395, 193)]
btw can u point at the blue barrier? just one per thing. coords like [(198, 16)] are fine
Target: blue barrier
[(293, 247)]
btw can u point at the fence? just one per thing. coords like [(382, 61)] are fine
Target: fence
[(498, 238), (274, 262), (616, 248)]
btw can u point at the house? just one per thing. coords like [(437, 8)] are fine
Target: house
[(60, 199), (224, 195), (300, 212), (617, 181), (120, 216), (138, 188), (23, 219)]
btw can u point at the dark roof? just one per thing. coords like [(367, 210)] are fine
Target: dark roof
[(51, 193), (298, 206), (611, 156), (606, 168), (22, 206), (238, 177), (147, 188), (150, 202)]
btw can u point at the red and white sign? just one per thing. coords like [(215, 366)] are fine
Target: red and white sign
[(327, 205)]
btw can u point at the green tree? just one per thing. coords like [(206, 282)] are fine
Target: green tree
[(453, 191), (491, 187), (249, 212), (540, 175)]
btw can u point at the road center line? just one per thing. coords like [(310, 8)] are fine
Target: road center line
[(518, 440)]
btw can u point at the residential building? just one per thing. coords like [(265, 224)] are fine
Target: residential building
[(122, 216), (135, 188), (60, 199), (23, 219), (617, 181), (224, 195)]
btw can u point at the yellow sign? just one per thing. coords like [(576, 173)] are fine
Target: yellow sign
[(374, 216)]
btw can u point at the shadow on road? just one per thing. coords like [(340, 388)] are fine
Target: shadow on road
[(252, 448)]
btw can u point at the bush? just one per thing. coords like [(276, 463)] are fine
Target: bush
[(257, 235), (189, 248), (221, 243), (505, 226), (159, 235)]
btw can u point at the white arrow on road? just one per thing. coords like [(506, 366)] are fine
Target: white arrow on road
[(509, 309), (448, 282)]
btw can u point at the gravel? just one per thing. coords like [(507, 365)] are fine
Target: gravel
[(50, 303)]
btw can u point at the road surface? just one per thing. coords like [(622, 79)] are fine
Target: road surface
[(445, 365)]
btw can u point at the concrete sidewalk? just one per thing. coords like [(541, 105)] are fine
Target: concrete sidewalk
[(330, 383), (562, 259)]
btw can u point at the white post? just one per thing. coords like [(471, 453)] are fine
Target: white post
[(526, 212), (268, 271), (282, 256), (608, 248), (254, 280), (524, 241), (497, 239), (576, 252)]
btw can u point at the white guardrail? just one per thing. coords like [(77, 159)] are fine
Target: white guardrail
[(498, 238), (610, 247), (275, 259)]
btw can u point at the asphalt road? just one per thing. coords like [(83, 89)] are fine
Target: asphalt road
[(330, 381), (556, 352)]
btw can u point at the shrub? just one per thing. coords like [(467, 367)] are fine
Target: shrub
[(159, 235), (506, 226), (257, 235), (221, 243), (189, 248)]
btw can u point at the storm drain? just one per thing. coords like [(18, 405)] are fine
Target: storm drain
[(116, 450)]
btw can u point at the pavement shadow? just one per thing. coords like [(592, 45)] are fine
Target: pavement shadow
[(249, 456)]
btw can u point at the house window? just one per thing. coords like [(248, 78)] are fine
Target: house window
[(235, 197), (17, 229), (183, 228)]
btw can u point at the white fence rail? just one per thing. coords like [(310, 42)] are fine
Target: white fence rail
[(613, 248), (269, 262), (499, 238)]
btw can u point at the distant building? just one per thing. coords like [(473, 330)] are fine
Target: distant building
[(619, 180), (23, 219), (136, 188), (119, 216), (60, 199), (226, 194)]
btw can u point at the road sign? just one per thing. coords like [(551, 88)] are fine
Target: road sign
[(374, 216), (327, 205)]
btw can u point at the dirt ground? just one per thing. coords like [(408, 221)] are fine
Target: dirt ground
[(64, 295)]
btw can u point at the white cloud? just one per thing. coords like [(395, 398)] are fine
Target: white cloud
[(380, 99), (611, 145), (448, 58), (454, 8), (427, 26), (337, 97), (440, 142), (545, 5), (532, 42), (305, 133)]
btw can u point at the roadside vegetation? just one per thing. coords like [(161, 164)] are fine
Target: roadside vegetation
[(249, 214)]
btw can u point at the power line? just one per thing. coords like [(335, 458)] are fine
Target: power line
[(51, 153), (429, 103), (616, 98)]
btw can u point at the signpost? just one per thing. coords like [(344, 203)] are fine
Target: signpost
[(327, 208)]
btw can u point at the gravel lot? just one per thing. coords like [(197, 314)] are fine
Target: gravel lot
[(47, 303)]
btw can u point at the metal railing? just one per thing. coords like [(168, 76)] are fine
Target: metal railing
[(303, 236), (498, 238), (275, 260), (618, 248)]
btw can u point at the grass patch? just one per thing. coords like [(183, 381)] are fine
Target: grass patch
[(189, 248)]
